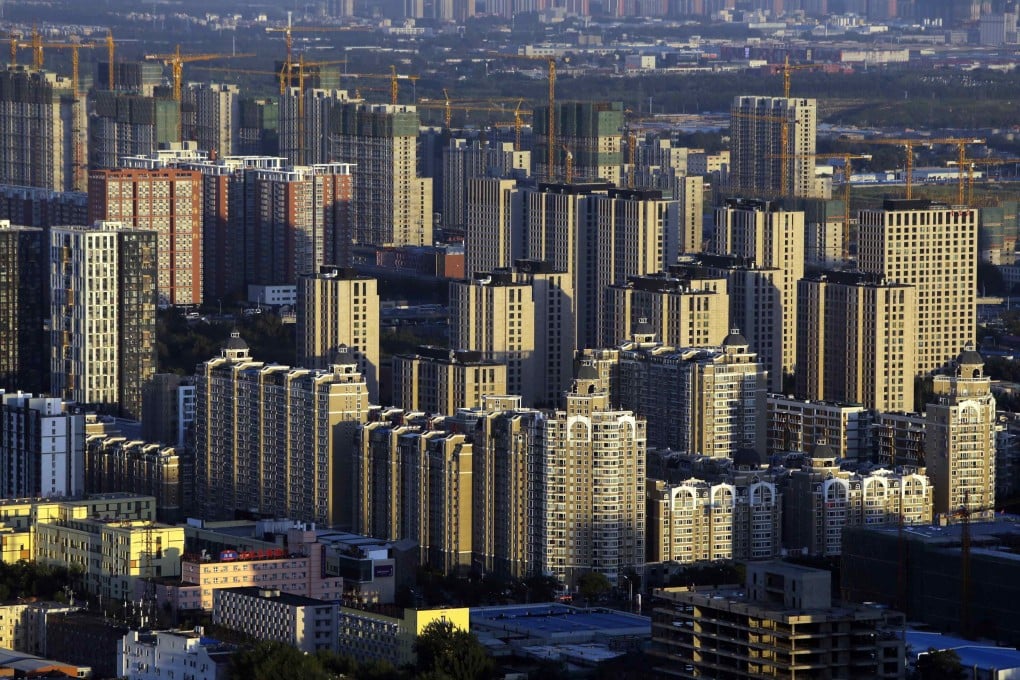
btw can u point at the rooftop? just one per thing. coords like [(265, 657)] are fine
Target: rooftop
[(544, 621)]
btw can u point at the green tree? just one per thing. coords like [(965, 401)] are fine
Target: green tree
[(275, 661), (939, 665), (445, 651), (593, 584)]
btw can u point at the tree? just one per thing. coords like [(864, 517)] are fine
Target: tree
[(593, 584), (446, 651), (274, 660), (939, 665)]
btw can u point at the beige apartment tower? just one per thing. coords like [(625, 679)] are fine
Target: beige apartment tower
[(438, 380), (338, 308), (766, 236), (276, 439), (697, 521), (689, 309), (855, 340), (590, 487), (492, 224), (932, 247), (959, 440)]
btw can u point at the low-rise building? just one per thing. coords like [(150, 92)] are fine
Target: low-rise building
[(265, 614), (388, 633), (958, 577), (173, 654), (780, 623), (21, 517), (20, 665), (23, 624)]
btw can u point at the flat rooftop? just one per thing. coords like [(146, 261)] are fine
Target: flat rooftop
[(972, 654), (559, 620)]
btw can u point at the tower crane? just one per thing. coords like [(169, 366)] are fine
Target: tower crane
[(551, 122), (38, 45), (971, 162), (110, 48), (392, 76), (787, 69), (176, 61), (909, 144), (14, 40), (784, 136), (288, 37), (448, 107), (569, 162)]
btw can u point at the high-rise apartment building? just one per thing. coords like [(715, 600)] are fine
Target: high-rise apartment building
[(764, 236), (523, 318), (42, 444), (698, 521), (494, 314), (35, 207), (801, 425), (688, 310), (377, 497), (338, 308), (24, 364), (276, 439), (217, 117), (306, 140), (229, 246), (437, 487), (392, 205), (42, 131), (855, 340), (123, 124), (633, 233), (702, 400), (465, 160), (103, 314), (505, 470), (116, 464), (932, 247), (303, 220), (589, 488), (959, 439), (758, 159), (439, 380), (820, 499), (167, 201), (589, 132), (492, 224)]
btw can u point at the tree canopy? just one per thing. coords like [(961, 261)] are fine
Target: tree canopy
[(445, 651)]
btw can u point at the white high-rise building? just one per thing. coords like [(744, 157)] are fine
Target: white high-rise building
[(103, 314), (42, 447)]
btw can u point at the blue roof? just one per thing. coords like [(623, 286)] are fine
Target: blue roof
[(972, 654)]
